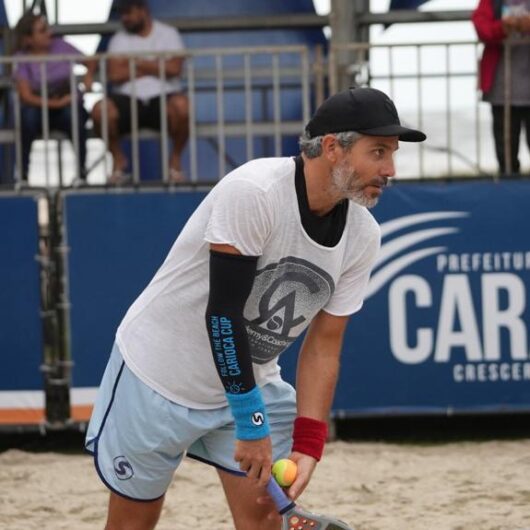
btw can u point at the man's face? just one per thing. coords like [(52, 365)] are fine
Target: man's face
[(362, 172), (134, 19)]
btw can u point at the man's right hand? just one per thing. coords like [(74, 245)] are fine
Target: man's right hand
[(255, 458)]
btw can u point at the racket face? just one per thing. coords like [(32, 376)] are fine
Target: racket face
[(299, 519)]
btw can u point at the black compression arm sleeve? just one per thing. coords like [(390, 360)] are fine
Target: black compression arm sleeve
[(231, 280)]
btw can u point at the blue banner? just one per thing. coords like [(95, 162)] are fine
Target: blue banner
[(21, 335), (446, 320), (445, 323), (21, 340), (116, 243)]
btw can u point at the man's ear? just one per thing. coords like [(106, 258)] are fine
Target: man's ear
[(330, 147)]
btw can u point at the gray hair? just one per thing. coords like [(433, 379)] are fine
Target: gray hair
[(312, 147)]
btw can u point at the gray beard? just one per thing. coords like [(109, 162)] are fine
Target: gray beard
[(136, 29), (345, 186)]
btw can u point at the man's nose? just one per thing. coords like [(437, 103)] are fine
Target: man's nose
[(389, 169)]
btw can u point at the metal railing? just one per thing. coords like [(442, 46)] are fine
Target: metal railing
[(269, 71), (245, 89), (435, 87), (401, 71)]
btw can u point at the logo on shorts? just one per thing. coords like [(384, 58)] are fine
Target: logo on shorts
[(258, 419), (122, 468)]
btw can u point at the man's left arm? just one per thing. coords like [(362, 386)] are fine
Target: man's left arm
[(316, 379)]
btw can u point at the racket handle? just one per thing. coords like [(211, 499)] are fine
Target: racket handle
[(282, 501)]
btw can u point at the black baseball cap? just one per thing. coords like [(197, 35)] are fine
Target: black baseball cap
[(124, 5), (364, 110)]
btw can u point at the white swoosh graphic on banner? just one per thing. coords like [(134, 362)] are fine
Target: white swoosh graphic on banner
[(408, 240), (408, 220), (387, 273)]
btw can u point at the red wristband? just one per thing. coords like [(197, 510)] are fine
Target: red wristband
[(309, 436)]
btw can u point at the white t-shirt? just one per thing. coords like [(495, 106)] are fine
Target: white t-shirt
[(162, 38), (163, 336)]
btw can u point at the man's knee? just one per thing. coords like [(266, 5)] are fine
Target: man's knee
[(178, 106), (112, 112), (125, 514), (242, 496), (252, 515)]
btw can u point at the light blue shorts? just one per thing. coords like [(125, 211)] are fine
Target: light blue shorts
[(138, 438)]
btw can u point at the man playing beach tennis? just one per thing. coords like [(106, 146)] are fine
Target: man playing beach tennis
[(279, 245)]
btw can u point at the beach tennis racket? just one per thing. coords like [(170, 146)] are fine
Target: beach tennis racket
[(296, 518)]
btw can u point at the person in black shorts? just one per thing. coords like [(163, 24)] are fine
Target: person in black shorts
[(141, 33)]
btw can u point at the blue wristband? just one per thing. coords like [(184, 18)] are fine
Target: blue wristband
[(249, 414)]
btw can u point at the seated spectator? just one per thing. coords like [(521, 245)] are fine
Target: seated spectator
[(497, 21), (142, 33), (33, 37)]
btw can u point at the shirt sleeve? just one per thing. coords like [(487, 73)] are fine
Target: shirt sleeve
[(116, 44), (67, 48), (349, 294), (175, 41), (489, 29), (242, 216), (21, 72)]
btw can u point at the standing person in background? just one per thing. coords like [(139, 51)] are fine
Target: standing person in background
[(497, 21), (33, 37), (280, 245), (141, 33)]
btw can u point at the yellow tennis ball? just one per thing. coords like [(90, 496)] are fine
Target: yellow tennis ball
[(284, 471)]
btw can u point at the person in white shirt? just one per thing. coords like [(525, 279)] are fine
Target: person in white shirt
[(279, 245), (141, 33)]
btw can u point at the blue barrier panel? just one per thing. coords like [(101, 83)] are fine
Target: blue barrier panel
[(116, 243), (21, 338), (445, 325)]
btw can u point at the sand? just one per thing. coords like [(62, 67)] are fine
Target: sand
[(466, 485)]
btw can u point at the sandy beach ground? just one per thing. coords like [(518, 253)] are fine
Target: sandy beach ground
[(370, 485)]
